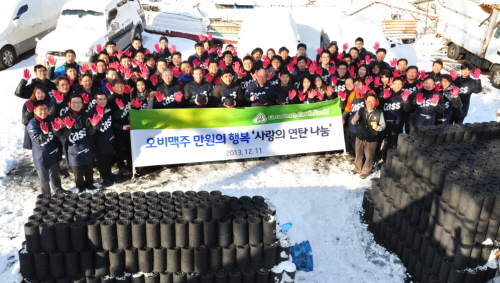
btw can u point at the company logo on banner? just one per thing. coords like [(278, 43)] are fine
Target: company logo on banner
[(171, 136)]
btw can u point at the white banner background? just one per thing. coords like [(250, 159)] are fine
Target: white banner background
[(143, 154)]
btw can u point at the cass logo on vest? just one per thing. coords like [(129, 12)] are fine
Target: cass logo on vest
[(392, 106), (257, 93), (426, 103), (411, 89), (63, 111), (357, 106), (464, 89), (76, 136), (106, 125), (49, 139), (339, 88), (244, 85)]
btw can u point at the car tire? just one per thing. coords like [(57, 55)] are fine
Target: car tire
[(495, 76), (7, 57), (138, 33), (454, 51)]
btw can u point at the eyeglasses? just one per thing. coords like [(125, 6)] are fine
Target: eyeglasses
[(75, 102)]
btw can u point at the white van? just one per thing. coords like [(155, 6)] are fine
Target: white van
[(22, 22), (85, 23)]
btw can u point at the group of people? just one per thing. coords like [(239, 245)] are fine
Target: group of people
[(81, 112)]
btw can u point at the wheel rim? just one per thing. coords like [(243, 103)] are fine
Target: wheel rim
[(8, 58), (496, 77), (452, 50)]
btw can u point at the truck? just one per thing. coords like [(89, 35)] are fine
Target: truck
[(472, 32), (83, 24)]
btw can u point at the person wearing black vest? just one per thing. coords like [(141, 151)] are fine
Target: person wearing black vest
[(369, 122)]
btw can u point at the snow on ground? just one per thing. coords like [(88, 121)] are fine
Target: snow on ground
[(315, 192)]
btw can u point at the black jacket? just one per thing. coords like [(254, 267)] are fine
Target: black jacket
[(467, 86), (225, 92), (169, 91), (200, 92), (364, 129), (25, 90)]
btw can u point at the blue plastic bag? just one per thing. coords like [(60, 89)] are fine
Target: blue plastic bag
[(302, 257)]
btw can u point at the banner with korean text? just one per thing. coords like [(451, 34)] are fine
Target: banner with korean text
[(171, 136)]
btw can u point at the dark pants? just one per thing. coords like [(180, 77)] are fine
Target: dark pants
[(406, 121), (349, 147), (123, 150), (84, 176), (50, 179), (104, 164), (456, 120), (391, 142)]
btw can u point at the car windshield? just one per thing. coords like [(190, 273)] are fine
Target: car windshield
[(83, 19), (81, 13)]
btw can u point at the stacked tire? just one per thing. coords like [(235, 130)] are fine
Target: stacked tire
[(437, 202), (153, 238)]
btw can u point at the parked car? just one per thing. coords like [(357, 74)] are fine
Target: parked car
[(22, 22), (84, 24), (472, 33)]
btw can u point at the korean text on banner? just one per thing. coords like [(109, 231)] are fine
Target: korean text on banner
[(172, 136)]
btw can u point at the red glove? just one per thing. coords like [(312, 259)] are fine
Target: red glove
[(319, 71), (360, 63), (154, 79), (295, 60), (368, 59), (455, 91), (435, 99), (240, 73), (222, 64), (453, 74), (438, 87), (114, 65), (269, 75), (207, 61), (173, 49), (52, 61), (176, 71), (302, 96), (147, 52), (217, 81), (210, 37), (420, 98), (136, 103), (376, 46), (98, 48), (319, 50), (420, 85), (387, 93), (390, 81), (332, 70), (291, 68), (157, 47), (368, 80), (99, 109), (312, 93), (71, 81), (57, 124), (58, 96), (351, 70), (178, 96), (396, 73), (119, 103), (237, 65), (405, 95), (334, 80), (86, 98), (235, 53), (320, 95), (312, 68), (95, 119), (93, 66), (219, 51), (159, 96), (201, 37), (377, 81), (209, 77), (340, 56), (144, 73), (291, 94), (110, 88), (196, 62), (44, 127), (126, 127), (394, 62), (69, 122), (26, 74), (29, 106), (128, 53), (265, 61), (127, 89), (423, 75), (342, 95), (329, 90), (476, 74), (119, 54), (345, 46), (363, 90)]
